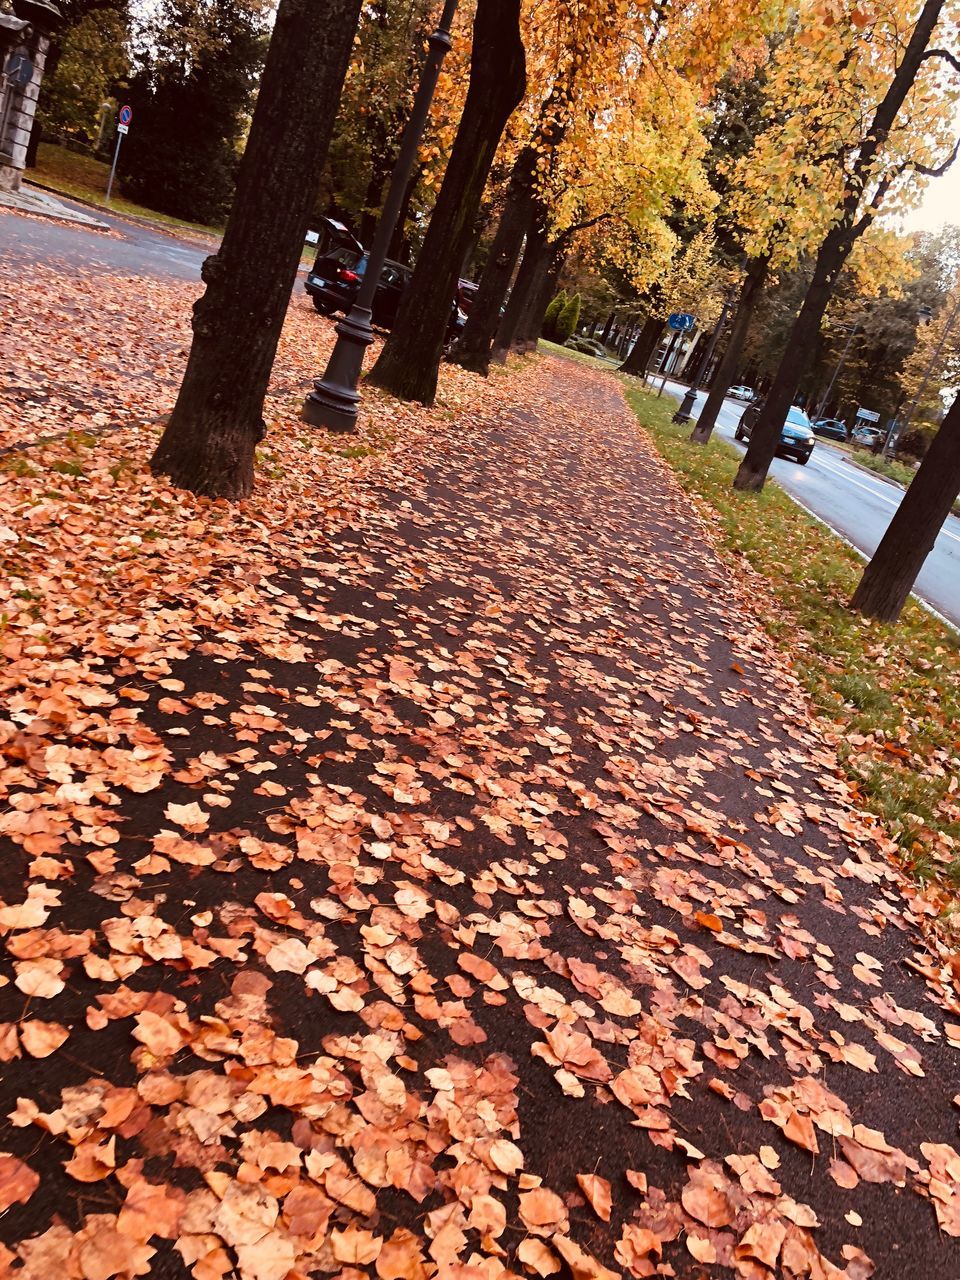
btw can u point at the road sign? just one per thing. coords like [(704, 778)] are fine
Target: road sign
[(19, 69), (868, 415), (123, 128), (126, 115), (681, 321)]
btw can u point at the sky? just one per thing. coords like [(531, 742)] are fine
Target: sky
[(941, 203)]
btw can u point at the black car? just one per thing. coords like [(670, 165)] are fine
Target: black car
[(334, 280), (796, 436), (831, 429)]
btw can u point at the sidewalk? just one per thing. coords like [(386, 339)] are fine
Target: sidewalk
[(42, 203), (430, 868)]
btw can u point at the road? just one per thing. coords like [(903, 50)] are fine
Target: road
[(856, 504), (132, 249)]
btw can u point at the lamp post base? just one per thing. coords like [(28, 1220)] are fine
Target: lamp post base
[(334, 399), (686, 406)]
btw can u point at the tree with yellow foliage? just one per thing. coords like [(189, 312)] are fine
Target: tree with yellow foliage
[(866, 114)]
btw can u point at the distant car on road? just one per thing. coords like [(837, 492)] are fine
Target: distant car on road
[(796, 437), (831, 429), (867, 436), (742, 393)]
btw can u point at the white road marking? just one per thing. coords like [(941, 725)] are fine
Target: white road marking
[(883, 497)]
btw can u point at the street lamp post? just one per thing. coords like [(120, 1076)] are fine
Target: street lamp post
[(690, 395), (825, 398), (896, 426), (334, 399)]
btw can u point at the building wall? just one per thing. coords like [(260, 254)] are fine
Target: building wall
[(16, 113)]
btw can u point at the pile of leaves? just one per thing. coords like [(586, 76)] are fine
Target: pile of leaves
[(425, 868)]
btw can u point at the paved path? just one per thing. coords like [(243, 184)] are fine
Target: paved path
[(857, 505), (481, 847)]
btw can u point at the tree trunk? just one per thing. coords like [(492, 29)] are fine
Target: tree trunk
[(209, 442), (472, 351), (889, 577), (531, 322), (834, 251), (644, 347), (398, 248), (749, 293), (797, 357), (410, 360), (605, 336), (528, 279)]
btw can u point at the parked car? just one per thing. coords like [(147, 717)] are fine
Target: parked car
[(741, 393), (334, 280), (831, 429), (867, 436), (796, 435)]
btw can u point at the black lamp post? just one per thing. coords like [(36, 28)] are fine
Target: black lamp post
[(334, 399), (690, 395)]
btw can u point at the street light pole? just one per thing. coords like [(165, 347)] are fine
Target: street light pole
[(334, 399), (896, 427), (825, 398), (690, 395)]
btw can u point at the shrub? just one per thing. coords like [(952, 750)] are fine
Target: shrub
[(567, 319), (552, 314), (915, 442)]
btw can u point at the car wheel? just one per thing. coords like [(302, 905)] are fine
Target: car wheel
[(325, 308), (803, 461)]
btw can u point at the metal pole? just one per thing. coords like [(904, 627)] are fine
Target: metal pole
[(666, 360), (334, 400), (896, 428), (113, 167), (690, 395), (825, 398)]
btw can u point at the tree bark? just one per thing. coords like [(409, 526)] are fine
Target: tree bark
[(209, 442), (398, 249), (605, 336), (889, 577), (529, 278), (410, 360), (832, 255), (531, 322), (749, 293), (472, 351), (765, 436), (644, 347)]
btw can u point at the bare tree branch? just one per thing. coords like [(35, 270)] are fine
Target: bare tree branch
[(945, 55)]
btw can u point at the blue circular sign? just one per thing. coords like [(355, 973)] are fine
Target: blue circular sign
[(126, 115), (682, 321)]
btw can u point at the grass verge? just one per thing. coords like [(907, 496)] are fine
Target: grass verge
[(73, 174), (897, 471), (893, 692)]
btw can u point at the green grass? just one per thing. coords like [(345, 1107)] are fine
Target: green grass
[(893, 691), (898, 471), (74, 174), (554, 348)]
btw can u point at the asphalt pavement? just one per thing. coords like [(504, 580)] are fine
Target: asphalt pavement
[(129, 248), (856, 504)]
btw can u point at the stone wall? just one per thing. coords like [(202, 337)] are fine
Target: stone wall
[(17, 110)]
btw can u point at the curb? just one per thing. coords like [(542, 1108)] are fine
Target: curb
[(191, 237), (877, 475)]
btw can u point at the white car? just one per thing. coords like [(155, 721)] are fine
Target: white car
[(741, 393)]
